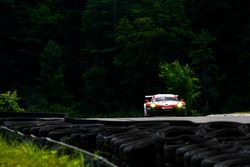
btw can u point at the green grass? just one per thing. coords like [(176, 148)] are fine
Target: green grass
[(20, 154)]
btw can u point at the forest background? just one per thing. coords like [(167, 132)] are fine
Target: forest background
[(101, 57)]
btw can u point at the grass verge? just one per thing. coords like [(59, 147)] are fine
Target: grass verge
[(20, 154)]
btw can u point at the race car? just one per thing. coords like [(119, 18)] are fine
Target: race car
[(165, 104), (148, 99)]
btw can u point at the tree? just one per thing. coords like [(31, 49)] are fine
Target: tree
[(17, 65), (98, 30), (140, 54), (180, 80), (228, 22), (204, 62), (52, 73), (96, 90), (99, 48), (153, 31), (45, 22)]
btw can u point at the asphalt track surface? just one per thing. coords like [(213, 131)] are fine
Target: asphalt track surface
[(240, 118)]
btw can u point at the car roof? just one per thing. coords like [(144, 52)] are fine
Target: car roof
[(168, 95), (149, 95)]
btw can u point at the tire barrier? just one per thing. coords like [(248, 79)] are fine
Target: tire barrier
[(213, 160), (227, 134), (138, 143), (211, 126), (150, 126), (238, 162)]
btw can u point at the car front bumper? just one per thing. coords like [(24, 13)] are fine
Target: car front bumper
[(166, 111)]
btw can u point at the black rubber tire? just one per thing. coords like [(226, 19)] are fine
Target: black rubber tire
[(134, 153), (22, 119), (188, 155), (104, 137), (13, 124), (177, 135), (198, 158), (59, 133), (150, 126), (213, 160), (2, 121), (159, 160), (179, 153), (238, 162), (19, 126), (65, 139), (126, 137), (75, 139), (116, 142), (226, 134), (40, 124), (211, 126), (44, 130), (169, 152), (170, 165), (35, 131), (88, 140)]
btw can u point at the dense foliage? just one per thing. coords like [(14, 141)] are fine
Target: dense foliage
[(9, 102), (180, 80), (102, 56)]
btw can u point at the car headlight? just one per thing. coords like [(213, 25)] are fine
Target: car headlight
[(152, 105), (179, 105)]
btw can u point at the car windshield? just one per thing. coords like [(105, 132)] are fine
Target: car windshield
[(148, 98), (164, 98)]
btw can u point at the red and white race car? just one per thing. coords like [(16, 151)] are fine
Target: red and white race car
[(164, 104), (148, 99)]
